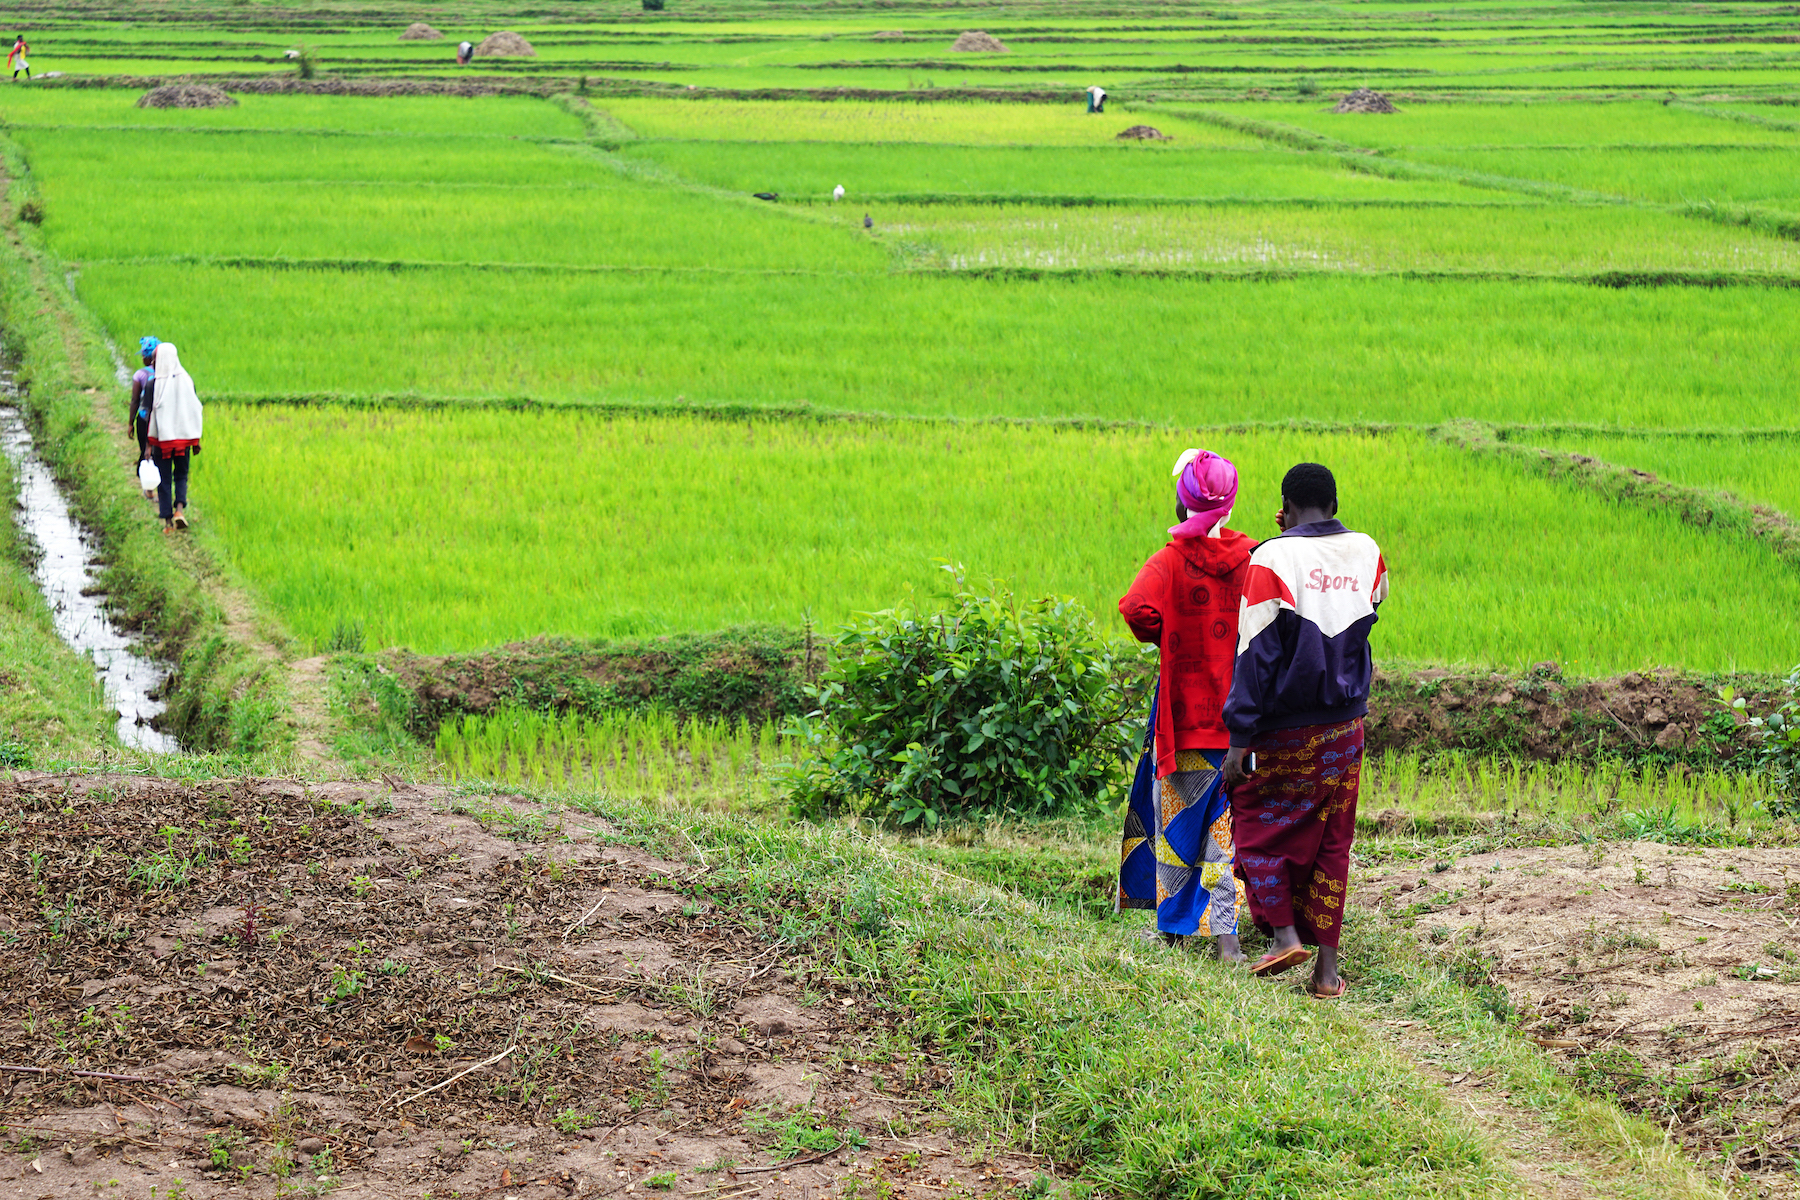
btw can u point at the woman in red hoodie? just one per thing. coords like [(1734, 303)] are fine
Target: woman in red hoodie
[(1177, 852)]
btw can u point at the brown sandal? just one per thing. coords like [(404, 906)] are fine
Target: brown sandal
[(1342, 987), (1278, 961)]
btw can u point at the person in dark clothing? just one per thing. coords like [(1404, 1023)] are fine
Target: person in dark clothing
[(143, 398), (1299, 690)]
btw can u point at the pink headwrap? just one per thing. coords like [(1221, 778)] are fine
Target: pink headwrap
[(1207, 487)]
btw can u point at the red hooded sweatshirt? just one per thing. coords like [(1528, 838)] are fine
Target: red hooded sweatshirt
[(1185, 600)]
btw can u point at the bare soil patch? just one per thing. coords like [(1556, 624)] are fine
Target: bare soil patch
[(293, 970), (1667, 977), (186, 95)]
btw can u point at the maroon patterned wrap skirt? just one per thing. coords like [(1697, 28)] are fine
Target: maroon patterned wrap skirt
[(1294, 821)]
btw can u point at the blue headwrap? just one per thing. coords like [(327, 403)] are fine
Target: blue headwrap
[(147, 346)]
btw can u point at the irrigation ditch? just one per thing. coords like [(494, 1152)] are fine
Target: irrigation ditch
[(64, 574)]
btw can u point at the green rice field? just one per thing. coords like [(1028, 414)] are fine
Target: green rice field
[(487, 368)]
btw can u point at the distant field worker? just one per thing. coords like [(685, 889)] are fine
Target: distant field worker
[(143, 397), (1299, 691), (464, 52), (16, 60), (837, 193), (174, 435), (1096, 99), (1176, 856)]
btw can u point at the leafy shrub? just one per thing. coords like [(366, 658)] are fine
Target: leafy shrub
[(990, 706), (653, 5), (1777, 734)]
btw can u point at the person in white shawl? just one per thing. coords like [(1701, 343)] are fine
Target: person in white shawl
[(174, 435)]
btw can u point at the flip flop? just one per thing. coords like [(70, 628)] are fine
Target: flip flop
[(1279, 961), (1342, 987)]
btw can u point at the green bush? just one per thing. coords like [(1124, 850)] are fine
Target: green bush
[(990, 706)]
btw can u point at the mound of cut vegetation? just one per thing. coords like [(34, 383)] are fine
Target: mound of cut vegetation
[(976, 41), (888, 35), (505, 44), (1145, 133), (186, 95), (1365, 100), (419, 31)]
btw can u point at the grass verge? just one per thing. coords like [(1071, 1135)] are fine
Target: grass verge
[(51, 702), (222, 696), (1133, 1069)]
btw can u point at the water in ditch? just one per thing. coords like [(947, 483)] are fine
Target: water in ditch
[(66, 578)]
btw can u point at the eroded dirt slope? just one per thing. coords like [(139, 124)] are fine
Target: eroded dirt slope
[(352, 988), (1665, 976)]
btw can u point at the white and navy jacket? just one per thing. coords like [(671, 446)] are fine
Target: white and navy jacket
[(1303, 631)]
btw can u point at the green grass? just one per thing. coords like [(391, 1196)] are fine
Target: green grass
[(890, 123), (799, 170), (1457, 790), (715, 764), (50, 701), (1675, 175), (1136, 349), (1244, 1090), (1760, 470), (483, 117), (601, 222), (495, 525), (82, 159), (1496, 125), (1551, 239)]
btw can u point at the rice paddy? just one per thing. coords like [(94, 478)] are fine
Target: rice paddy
[(712, 764), (344, 264), (473, 544)]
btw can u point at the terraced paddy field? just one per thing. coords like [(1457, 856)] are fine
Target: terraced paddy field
[(592, 372), (590, 350)]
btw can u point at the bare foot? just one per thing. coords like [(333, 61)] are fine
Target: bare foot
[(1229, 949)]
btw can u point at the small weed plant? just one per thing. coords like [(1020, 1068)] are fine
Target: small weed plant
[(801, 1132), (988, 706), (1777, 733)]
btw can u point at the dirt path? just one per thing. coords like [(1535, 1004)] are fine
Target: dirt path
[(1667, 977)]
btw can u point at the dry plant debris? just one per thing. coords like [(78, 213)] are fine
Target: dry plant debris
[(1666, 976), (505, 44), (1365, 100), (186, 95), (1145, 133), (355, 983), (977, 41), (419, 31)]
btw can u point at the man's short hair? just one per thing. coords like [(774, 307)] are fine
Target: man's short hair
[(1309, 485)]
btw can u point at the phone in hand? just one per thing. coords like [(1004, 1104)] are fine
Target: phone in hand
[(1250, 763)]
